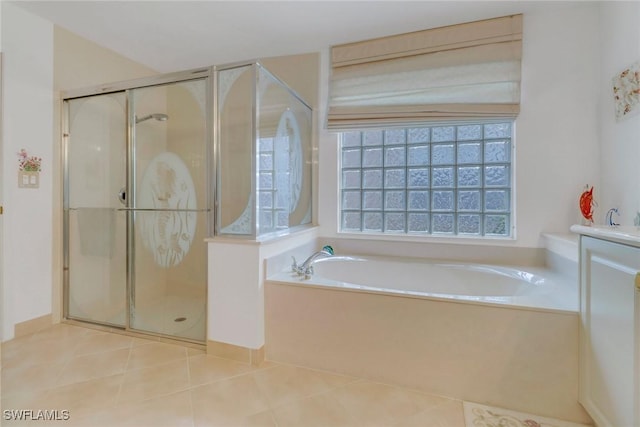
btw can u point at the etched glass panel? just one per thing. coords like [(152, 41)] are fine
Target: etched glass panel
[(283, 126), (169, 203)]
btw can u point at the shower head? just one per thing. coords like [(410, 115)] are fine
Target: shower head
[(157, 116)]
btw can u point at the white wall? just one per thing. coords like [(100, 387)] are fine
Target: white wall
[(1, 194), (78, 63), (556, 132), (27, 46), (619, 141)]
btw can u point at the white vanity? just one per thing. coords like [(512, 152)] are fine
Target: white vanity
[(610, 324)]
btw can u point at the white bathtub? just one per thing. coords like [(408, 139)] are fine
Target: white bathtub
[(532, 287), (504, 336)]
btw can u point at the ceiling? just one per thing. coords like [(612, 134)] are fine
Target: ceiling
[(178, 35)]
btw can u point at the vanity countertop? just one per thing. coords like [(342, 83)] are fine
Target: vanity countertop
[(628, 235)]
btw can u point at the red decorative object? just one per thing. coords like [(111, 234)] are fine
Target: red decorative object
[(587, 203)]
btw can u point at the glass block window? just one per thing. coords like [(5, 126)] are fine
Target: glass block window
[(273, 184), (432, 180)]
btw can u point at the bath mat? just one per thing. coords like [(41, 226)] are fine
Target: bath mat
[(476, 415)]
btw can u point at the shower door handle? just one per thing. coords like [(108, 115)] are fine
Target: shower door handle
[(122, 195)]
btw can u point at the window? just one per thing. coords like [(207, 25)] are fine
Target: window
[(431, 180)]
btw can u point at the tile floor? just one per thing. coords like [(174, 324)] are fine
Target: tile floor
[(105, 379)]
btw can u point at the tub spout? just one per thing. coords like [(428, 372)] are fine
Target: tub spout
[(306, 268)]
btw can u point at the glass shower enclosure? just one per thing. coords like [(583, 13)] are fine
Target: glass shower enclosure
[(136, 208), (264, 162), (144, 162)]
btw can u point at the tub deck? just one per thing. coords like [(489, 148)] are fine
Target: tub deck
[(534, 288)]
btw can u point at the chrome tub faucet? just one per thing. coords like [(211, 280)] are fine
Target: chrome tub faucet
[(306, 268)]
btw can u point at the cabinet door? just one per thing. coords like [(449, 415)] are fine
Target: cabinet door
[(610, 302)]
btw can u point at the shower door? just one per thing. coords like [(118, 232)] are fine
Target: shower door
[(95, 259), (136, 209), (169, 210)]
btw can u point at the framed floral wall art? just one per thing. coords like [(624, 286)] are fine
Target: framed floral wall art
[(29, 170), (626, 91)]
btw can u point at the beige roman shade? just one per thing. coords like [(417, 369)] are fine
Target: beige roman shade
[(459, 72)]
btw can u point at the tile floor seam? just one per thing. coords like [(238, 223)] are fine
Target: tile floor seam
[(159, 396), (193, 412), (273, 418), (188, 387), (62, 370), (130, 345), (120, 370), (126, 367), (189, 368), (232, 376), (83, 382)]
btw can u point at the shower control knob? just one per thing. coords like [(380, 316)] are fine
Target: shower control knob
[(122, 195)]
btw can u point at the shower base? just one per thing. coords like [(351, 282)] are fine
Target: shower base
[(181, 317)]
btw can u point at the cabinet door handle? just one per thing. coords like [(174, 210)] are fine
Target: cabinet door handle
[(638, 281)]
